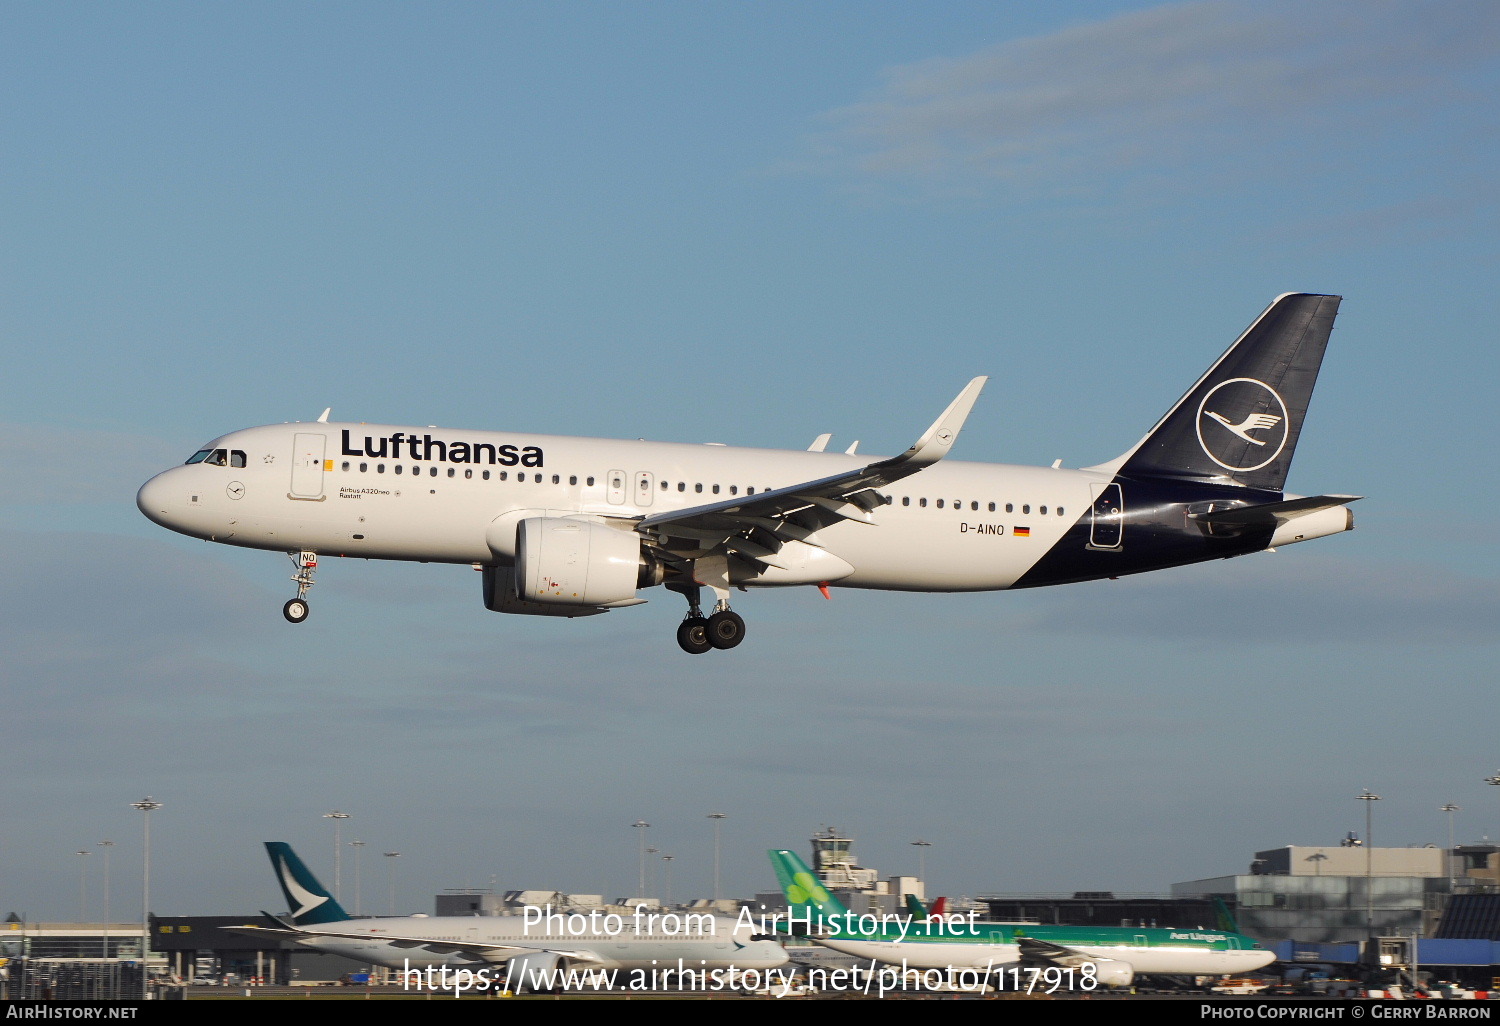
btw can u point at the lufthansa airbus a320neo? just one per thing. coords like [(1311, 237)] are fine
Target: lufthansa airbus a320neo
[(564, 526)]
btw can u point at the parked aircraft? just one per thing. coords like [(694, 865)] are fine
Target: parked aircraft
[(541, 944), (1110, 956), (573, 527)]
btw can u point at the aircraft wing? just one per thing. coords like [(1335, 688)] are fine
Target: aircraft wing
[(754, 527), (1053, 954)]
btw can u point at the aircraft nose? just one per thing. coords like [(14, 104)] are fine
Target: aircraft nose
[(154, 500)]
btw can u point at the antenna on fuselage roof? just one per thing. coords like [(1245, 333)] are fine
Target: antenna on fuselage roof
[(324, 418)]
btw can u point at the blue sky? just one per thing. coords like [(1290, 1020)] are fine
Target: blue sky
[(748, 224)]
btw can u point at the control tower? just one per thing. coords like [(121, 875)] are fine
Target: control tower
[(833, 860)]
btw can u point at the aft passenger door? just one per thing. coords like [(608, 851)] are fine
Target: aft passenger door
[(1107, 519)]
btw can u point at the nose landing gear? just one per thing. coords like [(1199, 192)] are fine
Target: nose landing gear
[(296, 609)]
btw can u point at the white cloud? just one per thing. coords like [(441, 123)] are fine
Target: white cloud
[(1193, 91)]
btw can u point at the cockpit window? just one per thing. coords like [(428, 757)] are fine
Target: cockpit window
[(219, 457)]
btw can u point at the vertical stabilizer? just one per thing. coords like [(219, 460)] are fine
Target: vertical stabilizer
[(805, 894), (1239, 424), (309, 901)]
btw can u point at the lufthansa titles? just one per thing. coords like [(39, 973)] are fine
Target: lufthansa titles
[(401, 446)]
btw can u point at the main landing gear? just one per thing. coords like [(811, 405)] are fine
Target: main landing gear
[(698, 633), (296, 609)]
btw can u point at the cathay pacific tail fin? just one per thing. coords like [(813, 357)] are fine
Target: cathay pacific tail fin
[(309, 901)]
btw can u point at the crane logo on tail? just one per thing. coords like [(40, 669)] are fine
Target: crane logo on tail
[(1242, 424)]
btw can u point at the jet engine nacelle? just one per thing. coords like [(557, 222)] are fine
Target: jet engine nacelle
[(500, 596), (1110, 972), (565, 562)]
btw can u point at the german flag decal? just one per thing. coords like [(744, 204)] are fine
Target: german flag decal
[(1021, 532)]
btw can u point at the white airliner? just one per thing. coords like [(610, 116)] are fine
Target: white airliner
[(1100, 955), (520, 949), (566, 526)]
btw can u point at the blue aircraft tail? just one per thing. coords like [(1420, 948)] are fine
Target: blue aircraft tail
[(1240, 423)]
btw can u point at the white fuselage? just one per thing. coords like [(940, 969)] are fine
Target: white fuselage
[(320, 487), (1185, 960), (702, 942)]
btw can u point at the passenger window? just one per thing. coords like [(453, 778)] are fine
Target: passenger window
[(467, 472), (906, 500), (922, 502), (539, 479), (1026, 508), (682, 486), (698, 488), (364, 468), (589, 481), (716, 489), (974, 505), (556, 479), (346, 465), (1059, 511), (485, 474), (1009, 508), (992, 507), (452, 471), (398, 468), (380, 468), (734, 489), (504, 475), (572, 479), (1042, 510), (940, 504)]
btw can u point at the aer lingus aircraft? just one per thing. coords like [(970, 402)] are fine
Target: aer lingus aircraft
[(512, 950), (565, 526), (1102, 956)]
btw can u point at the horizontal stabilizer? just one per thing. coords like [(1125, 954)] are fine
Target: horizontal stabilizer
[(1270, 514), (283, 928)]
